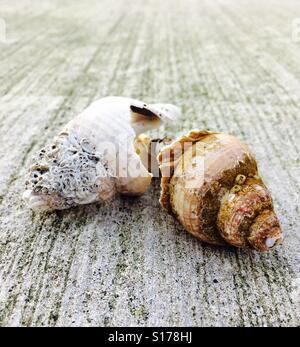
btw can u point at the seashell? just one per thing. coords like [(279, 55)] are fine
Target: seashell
[(210, 183), (148, 150), (94, 156)]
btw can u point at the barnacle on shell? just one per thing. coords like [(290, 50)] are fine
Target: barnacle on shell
[(210, 183), (68, 172), (95, 155)]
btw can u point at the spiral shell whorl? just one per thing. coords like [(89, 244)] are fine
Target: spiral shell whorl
[(265, 231), (243, 214)]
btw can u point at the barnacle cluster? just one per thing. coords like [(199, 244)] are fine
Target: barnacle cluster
[(68, 172)]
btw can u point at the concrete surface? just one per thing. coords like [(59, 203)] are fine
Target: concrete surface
[(232, 66)]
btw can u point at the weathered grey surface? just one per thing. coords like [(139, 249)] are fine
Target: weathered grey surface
[(232, 66)]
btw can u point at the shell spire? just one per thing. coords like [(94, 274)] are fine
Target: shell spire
[(210, 183), (95, 155)]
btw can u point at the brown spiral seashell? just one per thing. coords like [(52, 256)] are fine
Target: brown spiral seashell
[(210, 183)]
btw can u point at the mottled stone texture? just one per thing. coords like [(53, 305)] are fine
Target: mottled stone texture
[(232, 66)]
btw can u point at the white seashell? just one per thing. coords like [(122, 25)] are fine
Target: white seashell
[(94, 156)]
